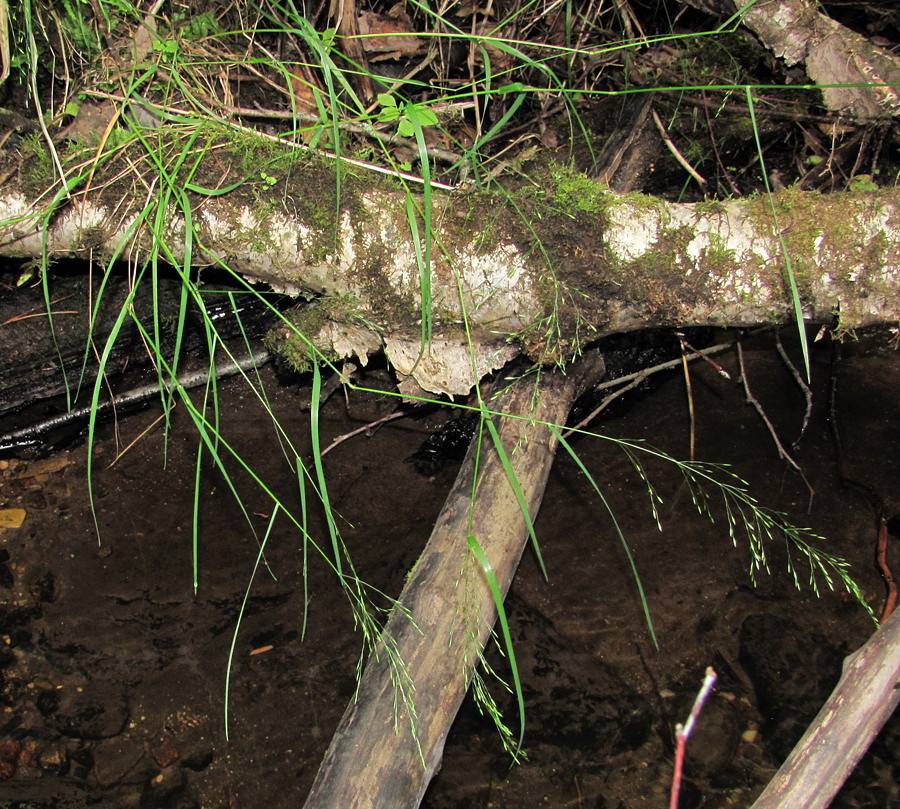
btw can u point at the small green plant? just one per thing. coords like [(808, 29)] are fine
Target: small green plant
[(166, 48), (408, 116), (862, 183), (39, 170), (197, 26)]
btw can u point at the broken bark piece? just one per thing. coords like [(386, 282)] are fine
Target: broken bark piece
[(858, 79), (382, 756)]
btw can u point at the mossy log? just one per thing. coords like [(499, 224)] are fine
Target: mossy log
[(864, 699), (383, 755), (538, 274)]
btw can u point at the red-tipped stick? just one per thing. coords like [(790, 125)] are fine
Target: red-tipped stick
[(683, 731)]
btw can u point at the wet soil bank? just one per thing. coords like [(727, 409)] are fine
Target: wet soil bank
[(114, 670)]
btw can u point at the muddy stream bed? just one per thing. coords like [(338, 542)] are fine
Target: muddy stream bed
[(112, 670)]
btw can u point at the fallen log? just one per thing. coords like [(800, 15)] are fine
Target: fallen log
[(383, 755), (863, 700)]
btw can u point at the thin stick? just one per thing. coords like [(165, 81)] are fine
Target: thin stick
[(663, 366), (364, 429), (674, 150), (34, 432), (690, 393), (872, 497), (137, 438), (807, 393), (890, 584), (683, 731), (635, 379), (782, 452), (703, 356), (712, 142)]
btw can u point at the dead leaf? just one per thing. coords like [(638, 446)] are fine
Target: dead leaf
[(90, 120), (469, 8), (46, 466), (384, 35), (548, 138), (304, 95), (11, 517)]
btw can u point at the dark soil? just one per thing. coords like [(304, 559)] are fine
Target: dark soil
[(114, 669)]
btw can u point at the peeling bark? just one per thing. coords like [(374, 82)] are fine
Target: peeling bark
[(858, 79)]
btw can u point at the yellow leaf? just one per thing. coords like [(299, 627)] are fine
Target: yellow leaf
[(11, 517)]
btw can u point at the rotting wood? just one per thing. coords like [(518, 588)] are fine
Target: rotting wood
[(864, 699), (445, 612)]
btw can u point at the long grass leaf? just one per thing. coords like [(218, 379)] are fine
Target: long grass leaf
[(517, 491), (414, 118), (240, 617), (319, 469), (504, 629), (795, 292), (645, 607)]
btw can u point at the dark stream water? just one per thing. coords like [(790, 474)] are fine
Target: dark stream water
[(113, 669)]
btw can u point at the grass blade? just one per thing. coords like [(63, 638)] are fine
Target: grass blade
[(645, 607), (504, 629), (792, 281)]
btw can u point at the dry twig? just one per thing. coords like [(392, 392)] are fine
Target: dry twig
[(807, 393), (782, 452)]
